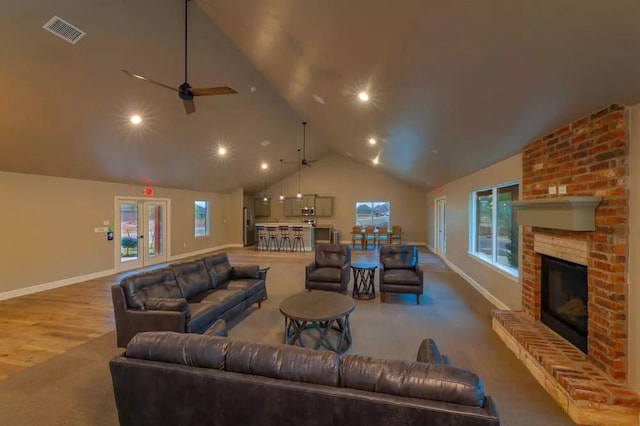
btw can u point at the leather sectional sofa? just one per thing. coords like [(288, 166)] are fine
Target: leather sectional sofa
[(167, 378), (185, 297)]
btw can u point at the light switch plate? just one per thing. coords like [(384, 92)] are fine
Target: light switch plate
[(552, 190), (562, 189), (106, 223)]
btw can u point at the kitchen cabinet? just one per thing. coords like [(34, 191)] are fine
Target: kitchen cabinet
[(292, 207), (308, 200), (324, 206), (260, 209)]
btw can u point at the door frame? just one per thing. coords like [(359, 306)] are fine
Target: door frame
[(436, 226), (120, 266)]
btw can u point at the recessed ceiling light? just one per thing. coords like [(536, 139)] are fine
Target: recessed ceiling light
[(264, 166), (222, 150), (363, 96), (376, 160), (372, 141), (318, 99), (435, 151), (253, 88), (265, 143), (135, 119), (348, 154)]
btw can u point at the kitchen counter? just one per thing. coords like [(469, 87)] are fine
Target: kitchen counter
[(308, 233)]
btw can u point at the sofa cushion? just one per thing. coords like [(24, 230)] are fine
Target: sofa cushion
[(218, 268), (331, 255), (245, 272), (157, 283), (226, 297), (250, 287), (401, 276), (326, 275), (164, 304), (436, 382), (179, 348), (192, 277), (203, 315), (399, 257), (284, 362)]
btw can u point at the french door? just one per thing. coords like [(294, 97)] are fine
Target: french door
[(140, 232), (440, 243)]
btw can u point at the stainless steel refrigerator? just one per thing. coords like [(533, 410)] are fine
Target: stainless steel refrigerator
[(249, 228)]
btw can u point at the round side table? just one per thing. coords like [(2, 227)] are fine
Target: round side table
[(363, 280)]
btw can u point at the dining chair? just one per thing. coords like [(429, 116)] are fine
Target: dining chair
[(383, 235), (395, 237), (369, 237), (357, 237)]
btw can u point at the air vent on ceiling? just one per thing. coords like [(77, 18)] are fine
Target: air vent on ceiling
[(64, 30)]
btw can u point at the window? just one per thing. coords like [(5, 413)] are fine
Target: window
[(201, 212), (372, 213), (494, 229)]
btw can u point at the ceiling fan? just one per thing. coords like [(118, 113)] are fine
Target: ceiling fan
[(185, 91), (303, 162)]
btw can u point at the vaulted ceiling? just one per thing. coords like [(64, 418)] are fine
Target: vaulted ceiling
[(454, 86)]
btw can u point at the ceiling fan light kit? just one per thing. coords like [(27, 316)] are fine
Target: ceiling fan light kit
[(185, 91)]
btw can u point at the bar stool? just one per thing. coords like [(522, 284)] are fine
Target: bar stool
[(298, 238), (262, 243), (284, 238), (272, 233)]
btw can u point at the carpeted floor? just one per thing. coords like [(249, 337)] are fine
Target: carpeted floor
[(75, 388)]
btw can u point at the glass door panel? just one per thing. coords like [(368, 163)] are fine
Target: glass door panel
[(142, 228), (129, 232)]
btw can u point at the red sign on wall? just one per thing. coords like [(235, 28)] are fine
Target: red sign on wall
[(148, 192), (438, 191)]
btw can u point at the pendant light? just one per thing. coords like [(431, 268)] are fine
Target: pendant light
[(281, 198), (299, 194), (265, 199)]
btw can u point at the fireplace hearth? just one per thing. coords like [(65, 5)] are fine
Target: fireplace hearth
[(564, 292)]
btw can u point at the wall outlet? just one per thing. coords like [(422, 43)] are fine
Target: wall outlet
[(184, 245), (562, 189), (552, 190), (537, 166), (106, 222)]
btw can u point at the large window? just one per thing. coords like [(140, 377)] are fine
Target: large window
[(494, 229), (201, 211), (372, 213)]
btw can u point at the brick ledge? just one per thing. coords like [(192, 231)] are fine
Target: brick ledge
[(586, 394)]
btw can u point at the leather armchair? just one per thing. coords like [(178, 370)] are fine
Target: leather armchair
[(399, 271), (331, 269)]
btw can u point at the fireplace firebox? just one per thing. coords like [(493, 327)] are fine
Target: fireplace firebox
[(564, 299)]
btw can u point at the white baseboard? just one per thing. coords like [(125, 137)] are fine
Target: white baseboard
[(204, 251), (483, 291), (73, 280), (430, 247), (54, 284)]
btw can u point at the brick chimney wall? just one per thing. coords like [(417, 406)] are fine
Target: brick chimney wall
[(589, 156)]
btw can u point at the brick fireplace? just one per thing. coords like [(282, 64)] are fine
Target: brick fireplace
[(588, 158)]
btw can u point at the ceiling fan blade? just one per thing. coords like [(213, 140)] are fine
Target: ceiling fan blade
[(189, 106), (206, 91), (129, 73)]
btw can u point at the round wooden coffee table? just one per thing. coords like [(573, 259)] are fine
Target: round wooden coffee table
[(318, 316)]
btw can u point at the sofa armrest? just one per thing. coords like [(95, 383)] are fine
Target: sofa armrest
[(346, 275), (420, 273), (245, 272), (129, 321), (428, 352), (166, 304), (219, 328), (311, 267)]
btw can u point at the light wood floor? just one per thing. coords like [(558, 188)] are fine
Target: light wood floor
[(37, 327)]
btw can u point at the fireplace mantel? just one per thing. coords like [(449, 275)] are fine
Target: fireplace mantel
[(568, 213)]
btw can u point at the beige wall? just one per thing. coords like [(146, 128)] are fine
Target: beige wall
[(47, 226), (497, 283), (633, 262), (349, 182)]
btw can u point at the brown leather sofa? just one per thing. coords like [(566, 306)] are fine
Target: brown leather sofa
[(185, 297), (399, 271), (331, 268), (167, 378)]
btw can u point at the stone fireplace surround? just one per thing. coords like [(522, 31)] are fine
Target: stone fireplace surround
[(589, 157)]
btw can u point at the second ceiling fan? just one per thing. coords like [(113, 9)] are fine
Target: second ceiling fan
[(185, 91)]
